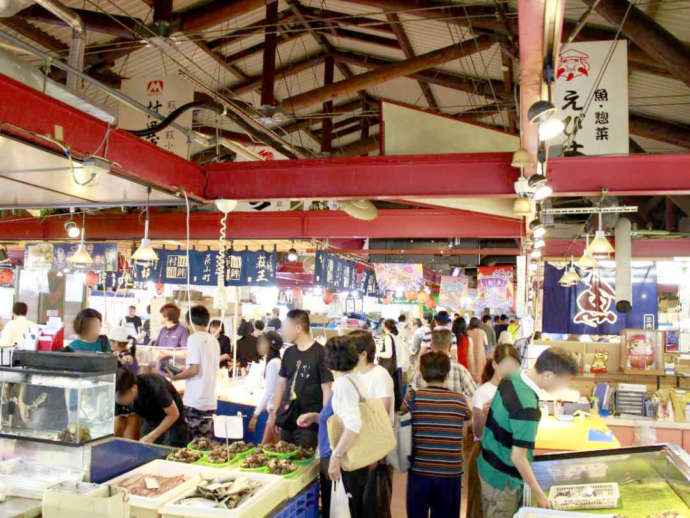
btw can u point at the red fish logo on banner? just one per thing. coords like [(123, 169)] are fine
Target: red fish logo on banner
[(495, 288), (596, 302), (573, 63)]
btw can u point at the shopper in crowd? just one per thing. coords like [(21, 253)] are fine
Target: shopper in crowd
[(521, 344), (500, 324), (460, 332), (14, 331), (486, 326), (510, 432), (145, 334), (514, 328), (259, 328), (88, 325), (172, 334), (377, 384), (304, 382), (504, 361), (342, 358), (476, 356), (269, 345), (459, 378), (387, 356), (132, 320), (275, 323), (415, 341), (203, 358), (246, 344), (443, 321), (157, 403), (124, 346), (217, 329), (438, 420), (425, 343)]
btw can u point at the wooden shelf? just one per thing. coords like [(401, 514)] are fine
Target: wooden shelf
[(656, 373)]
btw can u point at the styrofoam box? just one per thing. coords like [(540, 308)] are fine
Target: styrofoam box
[(148, 507), (270, 496), (26, 479)]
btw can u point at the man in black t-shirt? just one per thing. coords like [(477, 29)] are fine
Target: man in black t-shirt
[(159, 405), (304, 383), (274, 322), (132, 320)]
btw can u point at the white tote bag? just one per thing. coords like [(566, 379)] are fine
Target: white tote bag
[(401, 457), (340, 505)]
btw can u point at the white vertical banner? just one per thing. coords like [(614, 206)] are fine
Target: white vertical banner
[(591, 94), (162, 94), (521, 293)]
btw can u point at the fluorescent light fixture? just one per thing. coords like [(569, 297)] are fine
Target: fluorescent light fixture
[(539, 243), (292, 255), (86, 173)]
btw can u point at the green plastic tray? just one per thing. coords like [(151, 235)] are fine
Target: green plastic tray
[(284, 456), (196, 449), (304, 462), (293, 474), (262, 469)]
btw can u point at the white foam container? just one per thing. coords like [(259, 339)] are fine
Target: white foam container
[(26, 479), (270, 496), (149, 507), (535, 512)]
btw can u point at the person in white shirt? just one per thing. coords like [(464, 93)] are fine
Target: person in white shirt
[(268, 345), (443, 322), (377, 382), (203, 358), (348, 390), (505, 360), (13, 332)]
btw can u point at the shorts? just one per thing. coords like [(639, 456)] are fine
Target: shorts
[(499, 503), (123, 410), (199, 422)]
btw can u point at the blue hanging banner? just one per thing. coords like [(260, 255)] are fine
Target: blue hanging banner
[(335, 273), (590, 306), (234, 263), (259, 268), (367, 283), (104, 256), (320, 268)]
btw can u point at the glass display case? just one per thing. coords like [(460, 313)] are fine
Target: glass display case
[(153, 359), (66, 407), (651, 480)]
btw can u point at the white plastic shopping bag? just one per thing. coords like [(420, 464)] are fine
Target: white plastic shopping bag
[(340, 505)]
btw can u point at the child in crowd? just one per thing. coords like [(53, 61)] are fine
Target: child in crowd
[(203, 358)]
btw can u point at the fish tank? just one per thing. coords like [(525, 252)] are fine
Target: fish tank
[(635, 482), (71, 402)]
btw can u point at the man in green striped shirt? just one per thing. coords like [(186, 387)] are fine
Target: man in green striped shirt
[(511, 430)]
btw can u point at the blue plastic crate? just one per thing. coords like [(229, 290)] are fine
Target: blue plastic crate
[(304, 505)]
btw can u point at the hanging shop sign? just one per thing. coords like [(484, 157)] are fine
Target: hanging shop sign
[(399, 276), (592, 97), (589, 307), (336, 273), (453, 293), (495, 288), (367, 283), (161, 94), (242, 268), (47, 256)]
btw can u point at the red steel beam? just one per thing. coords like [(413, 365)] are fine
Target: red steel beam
[(643, 248), (437, 251), (393, 223), (443, 176), (133, 157)]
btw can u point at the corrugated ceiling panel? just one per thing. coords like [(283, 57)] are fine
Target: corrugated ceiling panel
[(659, 96), (674, 16), (455, 101), (654, 146)]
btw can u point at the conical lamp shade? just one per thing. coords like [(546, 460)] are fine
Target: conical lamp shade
[(80, 257), (600, 246), (587, 261), (145, 253)]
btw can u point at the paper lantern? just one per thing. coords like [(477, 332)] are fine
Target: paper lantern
[(431, 304), (6, 276), (296, 293), (328, 298), (91, 279), (159, 288), (411, 295)]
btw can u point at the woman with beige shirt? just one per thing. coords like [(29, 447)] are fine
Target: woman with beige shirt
[(476, 355)]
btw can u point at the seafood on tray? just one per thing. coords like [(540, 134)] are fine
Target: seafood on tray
[(185, 455), (149, 485), (303, 453), (240, 447), (227, 493), (203, 443), (219, 456), (255, 460), (281, 466), (281, 447)]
